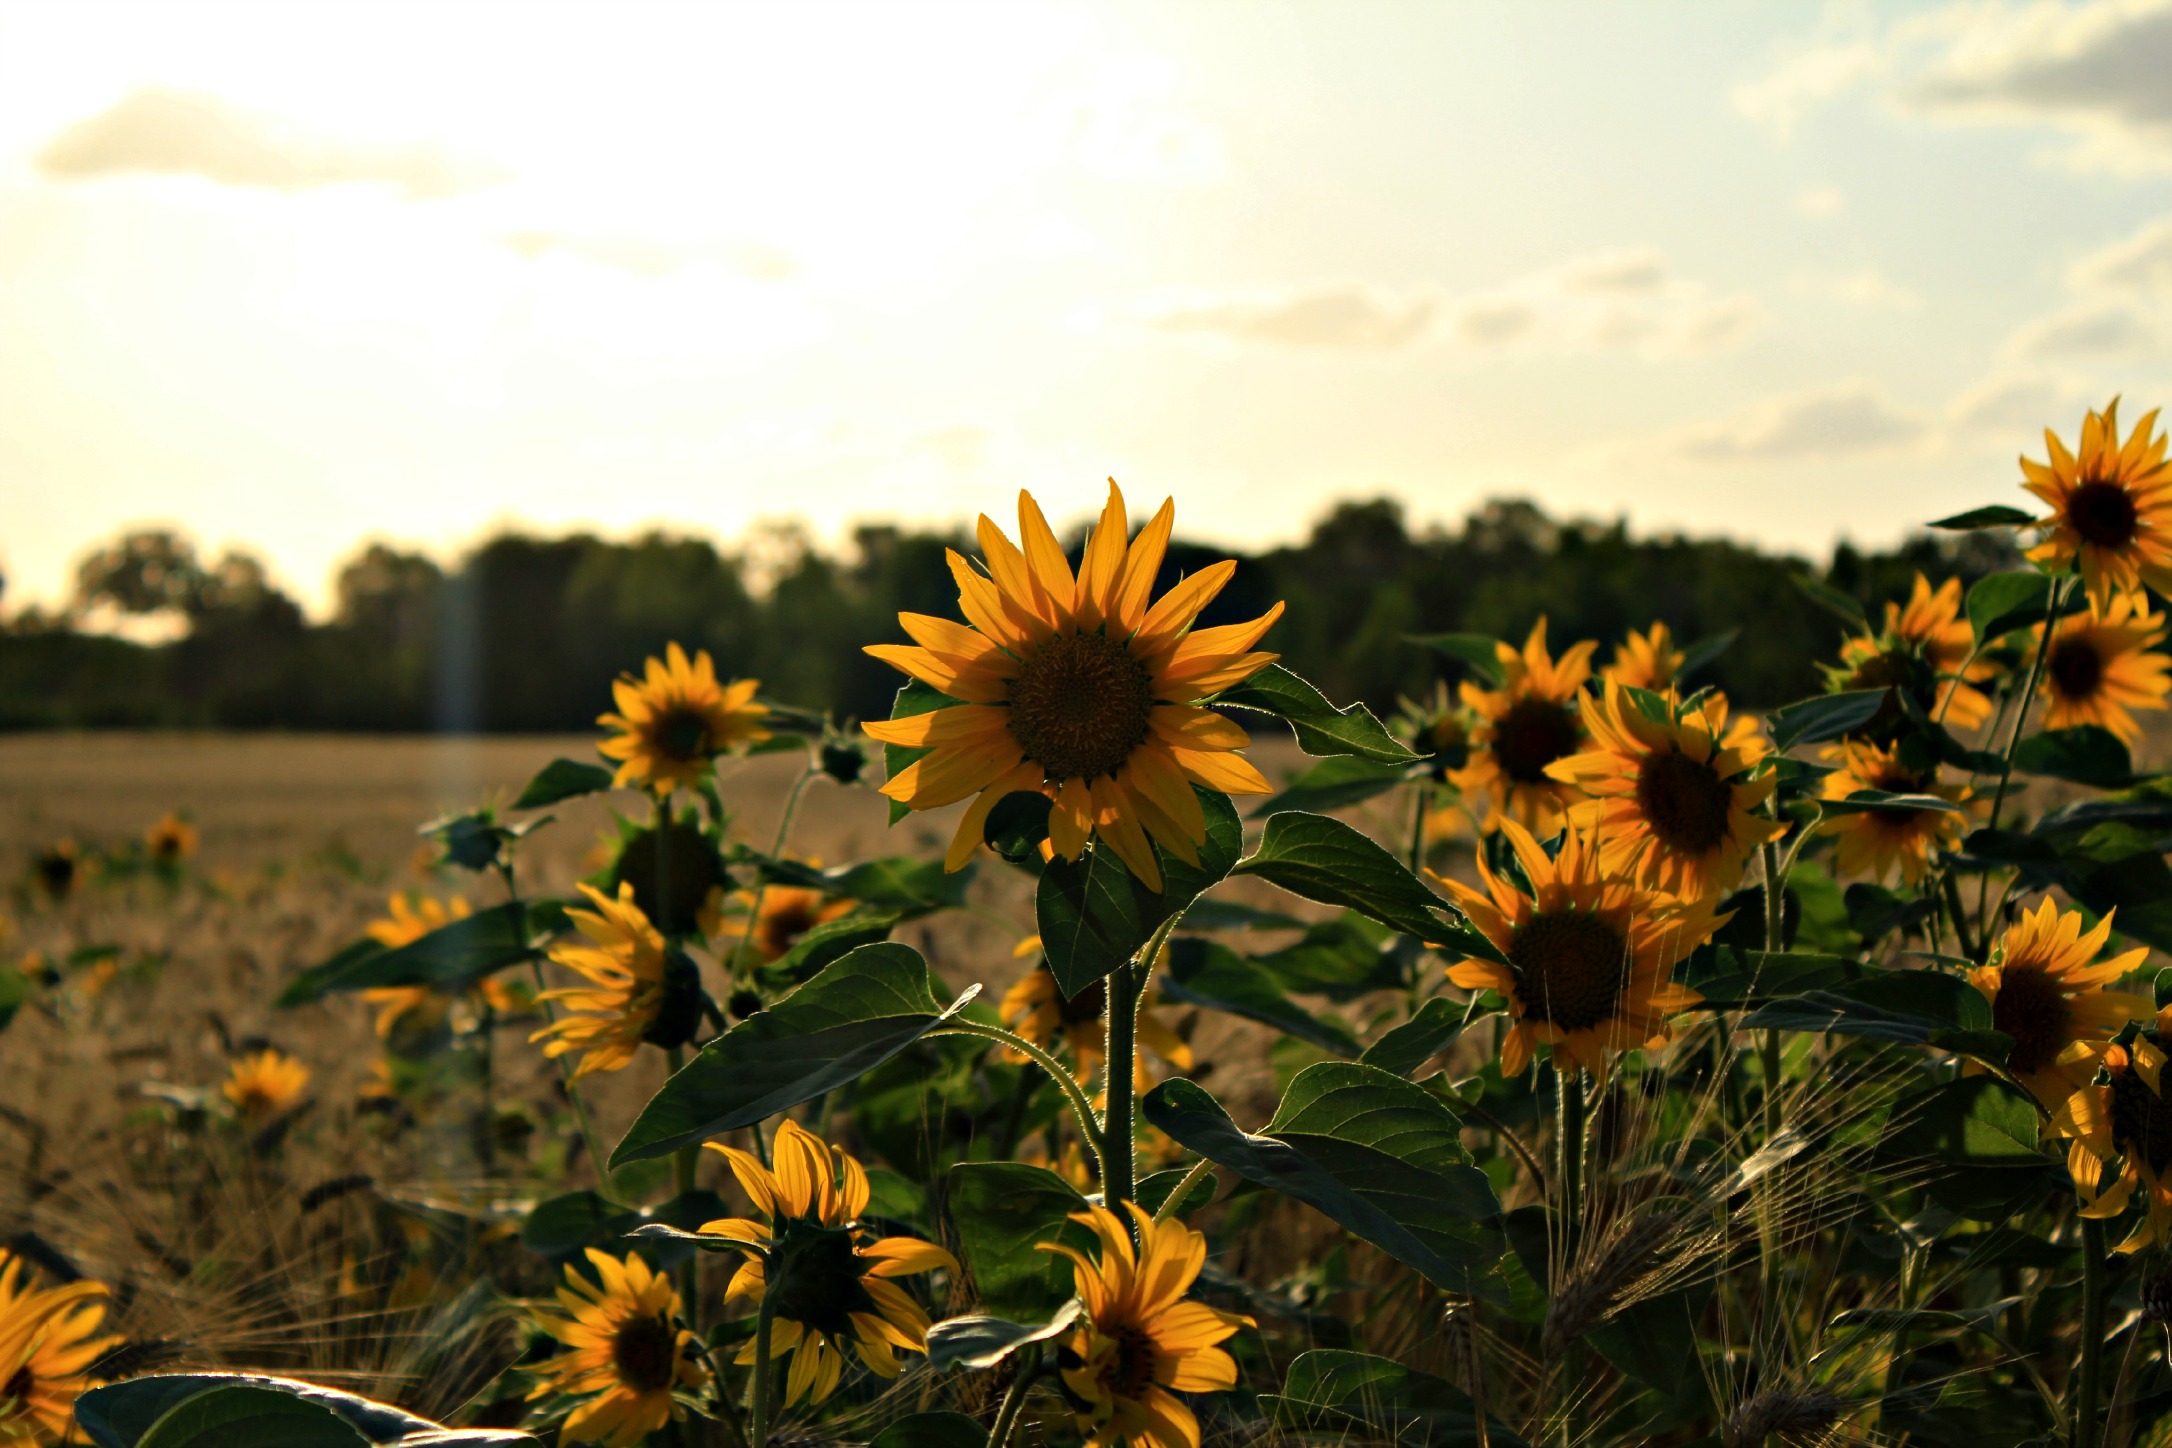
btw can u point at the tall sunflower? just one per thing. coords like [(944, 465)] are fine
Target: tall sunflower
[(771, 920), (1074, 686), (829, 1275), (265, 1083), (2047, 995), (170, 841), (2126, 1121), (624, 959), (1673, 803), (1645, 660), (1037, 1009), (412, 917), (1524, 726), (2103, 663), (624, 1345), (676, 720), (1930, 628), (2111, 507), (1141, 1343), (1589, 953), (1873, 843), (48, 1340)]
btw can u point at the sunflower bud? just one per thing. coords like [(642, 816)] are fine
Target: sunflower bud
[(679, 1013)]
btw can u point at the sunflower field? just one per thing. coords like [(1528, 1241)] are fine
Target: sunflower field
[(1575, 1058)]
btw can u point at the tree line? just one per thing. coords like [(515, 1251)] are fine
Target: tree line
[(526, 633)]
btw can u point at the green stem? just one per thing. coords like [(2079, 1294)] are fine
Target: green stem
[(1570, 1171), (776, 852), (1775, 942), (682, 1181), (486, 1143), (1117, 1126), (1014, 1402), (1182, 1190), (1081, 1107), (2087, 1428), (1417, 825), (758, 1410), (2061, 592)]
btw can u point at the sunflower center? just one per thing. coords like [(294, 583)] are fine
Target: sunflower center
[(785, 924), (19, 1387), (2035, 1012), (1129, 1370), (1531, 735), (644, 1351), (2141, 1120), (1686, 802), (2076, 668), (681, 733), (1882, 671), (2103, 514), (1571, 968), (1080, 705), (815, 1276)]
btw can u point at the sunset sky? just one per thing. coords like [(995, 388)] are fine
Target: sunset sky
[(296, 276)]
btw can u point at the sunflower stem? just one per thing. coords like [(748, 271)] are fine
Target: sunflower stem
[(2090, 1378), (758, 1392), (1014, 1402), (1081, 1107), (2061, 594), (1118, 1161), (1183, 1189), (1570, 1172), (1775, 942), (1417, 824), (682, 1182), (776, 852)]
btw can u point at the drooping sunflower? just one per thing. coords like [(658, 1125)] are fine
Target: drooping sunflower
[(170, 841), (265, 1083), (1929, 628), (1524, 726), (2048, 996), (1872, 844), (1672, 803), (1077, 687), (674, 722), (624, 960), (2103, 663), (48, 1340), (412, 917), (1037, 1009), (1645, 660), (1589, 953), (829, 1276), (1141, 1343), (780, 915), (2111, 507), (2126, 1121), (624, 1345)]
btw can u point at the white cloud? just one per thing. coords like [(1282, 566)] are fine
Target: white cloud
[(653, 258), (2089, 329), (1780, 100), (1850, 419), (1864, 287), (178, 133), (1339, 316), (1818, 202), (2016, 405), (2142, 263), (1636, 272)]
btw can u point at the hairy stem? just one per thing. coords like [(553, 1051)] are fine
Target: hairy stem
[(1014, 1402), (758, 1393), (1081, 1107), (1119, 1160), (1182, 1190), (2087, 1430), (1570, 1172)]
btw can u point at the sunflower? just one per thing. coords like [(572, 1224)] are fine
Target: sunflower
[(48, 1341), (1645, 661), (1589, 953), (1930, 628), (265, 1083), (1673, 805), (412, 917), (2128, 1121), (1872, 843), (1141, 1343), (2101, 664), (2111, 507), (624, 960), (1037, 1009), (1075, 687), (676, 720), (781, 915), (2049, 998), (830, 1277), (624, 1344), (170, 841), (58, 866), (1523, 726)]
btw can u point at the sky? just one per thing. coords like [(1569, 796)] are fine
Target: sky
[(295, 277)]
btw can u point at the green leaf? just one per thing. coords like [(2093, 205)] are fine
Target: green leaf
[(1731, 979), (1480, 653), (1972, 1143), (1418, 1040), (1875, 912), (1843, 606), (1342, 959), (1335, 783), (1999, 603), (1206, 973), (1320, 727), (1378, 1156), (1828, 716), (1003, 1210), (1094, 914), (979, 1342), (1318, 858), (560, 1227), (1878, 801), (2089, 754), (1911, 1007), (859, 1012), (250, 1417), (908, 886), (1358, 1395), (121, 1415), (450, 958), (913, 700), (1154, 1191), (830, 941), (1997, 515), (1703, 652), (16, 989), (563, 779), (932, 1430), (1229, 915)]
